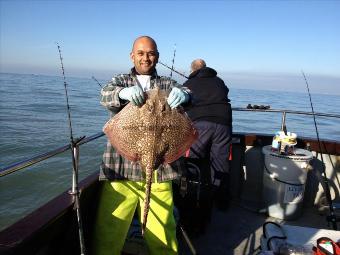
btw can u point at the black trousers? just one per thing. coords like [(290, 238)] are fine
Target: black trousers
[(213, 144)]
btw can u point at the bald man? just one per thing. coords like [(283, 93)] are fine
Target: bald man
[(124, 184)]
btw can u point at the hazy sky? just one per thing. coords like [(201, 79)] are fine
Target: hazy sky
[(252, 44)]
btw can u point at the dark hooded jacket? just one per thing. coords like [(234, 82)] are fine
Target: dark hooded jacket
[(210, 97)]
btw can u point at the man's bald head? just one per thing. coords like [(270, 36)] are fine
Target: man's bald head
[(197, 64), (144, 38)]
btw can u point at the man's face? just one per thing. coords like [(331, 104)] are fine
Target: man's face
[(144, 56)]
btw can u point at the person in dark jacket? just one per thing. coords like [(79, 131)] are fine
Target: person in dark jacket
[(212, 117)]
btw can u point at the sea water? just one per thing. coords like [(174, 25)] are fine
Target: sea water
[(34, 120)]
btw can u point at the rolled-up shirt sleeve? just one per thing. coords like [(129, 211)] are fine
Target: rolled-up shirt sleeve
[(109, 95)]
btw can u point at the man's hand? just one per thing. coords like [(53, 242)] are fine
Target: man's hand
[(176, 97), (133, 94)]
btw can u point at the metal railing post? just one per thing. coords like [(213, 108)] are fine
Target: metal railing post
[(76, 195)]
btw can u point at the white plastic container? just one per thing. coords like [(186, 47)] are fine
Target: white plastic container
[(284, 180)]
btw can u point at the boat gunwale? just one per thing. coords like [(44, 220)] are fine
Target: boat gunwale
[(32, 224)]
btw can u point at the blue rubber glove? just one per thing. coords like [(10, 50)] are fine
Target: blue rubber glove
[(133, 94), (176, 97)]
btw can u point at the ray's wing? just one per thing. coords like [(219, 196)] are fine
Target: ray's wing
[(122, 132), (178, 135)]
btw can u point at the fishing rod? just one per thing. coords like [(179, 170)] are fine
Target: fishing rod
[(181, 74), (97, 81), (75, 157), (332, 217), (173, 61)]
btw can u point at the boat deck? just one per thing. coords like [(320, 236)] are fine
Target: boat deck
[(237, 231), (234, 231)]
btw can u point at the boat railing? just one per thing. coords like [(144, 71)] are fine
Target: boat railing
[(31, 161), (284, 113)]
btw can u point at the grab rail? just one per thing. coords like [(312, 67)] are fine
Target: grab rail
[(31, 161), (239, 109)]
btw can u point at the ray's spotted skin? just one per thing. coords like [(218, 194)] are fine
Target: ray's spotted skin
[(152, 134)]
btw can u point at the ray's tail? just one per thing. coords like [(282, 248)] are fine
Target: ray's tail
[(148, 179)]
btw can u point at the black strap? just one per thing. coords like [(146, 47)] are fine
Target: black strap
[(283, 237), (183, 186)]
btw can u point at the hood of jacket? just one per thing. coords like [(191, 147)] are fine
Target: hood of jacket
[(203, 73)]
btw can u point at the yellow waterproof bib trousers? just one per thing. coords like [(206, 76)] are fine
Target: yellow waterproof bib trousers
[(118, 202)]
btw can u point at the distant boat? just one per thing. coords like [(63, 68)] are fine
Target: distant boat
[(52, 228)]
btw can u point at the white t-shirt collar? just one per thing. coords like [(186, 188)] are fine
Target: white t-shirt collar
[(144, 81)]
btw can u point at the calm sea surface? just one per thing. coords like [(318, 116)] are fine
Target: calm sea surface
[(34, 120)]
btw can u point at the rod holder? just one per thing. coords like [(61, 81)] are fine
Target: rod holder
[(283, 122)]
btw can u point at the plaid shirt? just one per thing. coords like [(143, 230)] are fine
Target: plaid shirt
[(114, 166)]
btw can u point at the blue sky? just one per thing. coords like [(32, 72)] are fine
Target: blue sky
[(252, 44)]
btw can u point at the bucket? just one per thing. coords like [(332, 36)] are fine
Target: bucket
[(284, 182)]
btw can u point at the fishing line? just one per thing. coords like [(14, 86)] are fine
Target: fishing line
[(67, 101), (181, 74), (75, 151), (332, 217), (173, 62), (97, 82)]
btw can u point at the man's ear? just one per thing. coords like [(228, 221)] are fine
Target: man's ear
[(132, 56), (157, 57)]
